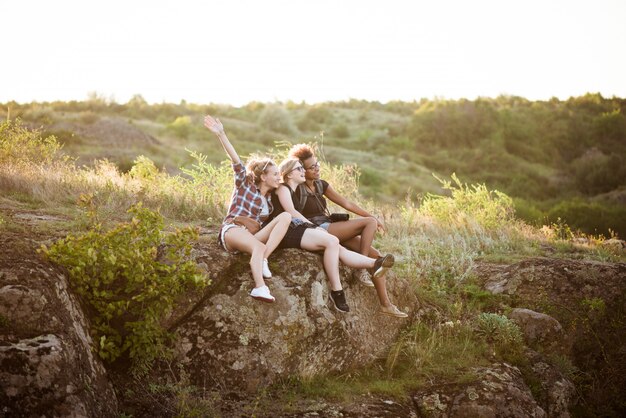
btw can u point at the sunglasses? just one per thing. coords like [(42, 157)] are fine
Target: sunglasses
[(314, 166)]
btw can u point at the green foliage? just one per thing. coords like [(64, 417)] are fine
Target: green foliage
[(277, 119), (130, 276), (589, 217), (144, 169), (500, 331), (340, 131), (491, 209), (437, 350), (181, 127), (19, 145)]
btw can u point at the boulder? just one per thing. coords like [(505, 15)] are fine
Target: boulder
[(556, 393), (588, 299), (498, 391), (47, 364), (229, 340), (539, 328)]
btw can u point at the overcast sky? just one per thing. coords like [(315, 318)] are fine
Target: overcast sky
[(239, 51)]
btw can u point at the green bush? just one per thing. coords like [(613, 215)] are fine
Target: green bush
[(500, 331), (22, 145), (130, 276), (181, 127), (590, 217), (277, 119), (340, 131), (491, 209)]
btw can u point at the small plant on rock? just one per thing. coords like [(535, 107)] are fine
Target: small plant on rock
[(130, 276), (502, 332)]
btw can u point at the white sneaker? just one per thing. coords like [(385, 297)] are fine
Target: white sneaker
[(267, 274), (262, 293)]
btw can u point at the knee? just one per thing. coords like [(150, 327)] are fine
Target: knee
[(371, 222), (331, 241), (284, 218), (258, 247)]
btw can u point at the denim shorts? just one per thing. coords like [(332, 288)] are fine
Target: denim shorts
[(220, 237), (325, 225)]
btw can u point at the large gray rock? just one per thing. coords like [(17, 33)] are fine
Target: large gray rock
[(498, 391), (47, 363), (539, 328), (588, 299), (227, 339)]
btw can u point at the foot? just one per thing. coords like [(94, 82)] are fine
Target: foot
[(339, 300), (267, 274), (363, 277), (381, 265), (392, 310), (262, 293)]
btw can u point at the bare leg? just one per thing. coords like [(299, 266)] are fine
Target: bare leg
[(365, 227), (273, 233), (241, 240), (315, 240), (356, 260), (354, 244)]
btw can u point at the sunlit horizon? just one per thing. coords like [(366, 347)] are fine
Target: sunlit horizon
[(243, 51)]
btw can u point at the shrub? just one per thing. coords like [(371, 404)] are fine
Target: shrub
[(340, 131), (130, 276), (21, 145), (277, 119), (500, 331), (180, 127), (491, 209), (590, 217)]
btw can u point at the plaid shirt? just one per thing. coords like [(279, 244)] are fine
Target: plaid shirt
[(246, 198)]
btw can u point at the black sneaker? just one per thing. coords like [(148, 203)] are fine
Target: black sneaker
[(339, 300), (381, 265)]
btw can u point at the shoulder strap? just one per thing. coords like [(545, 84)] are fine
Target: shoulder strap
[(319, 187), (300, 199)]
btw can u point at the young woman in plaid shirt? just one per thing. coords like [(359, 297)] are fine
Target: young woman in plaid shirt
[(250, 199)]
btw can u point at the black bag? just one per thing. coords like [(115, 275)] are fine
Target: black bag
[(339, 217)]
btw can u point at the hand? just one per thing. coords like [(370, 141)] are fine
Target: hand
[(380, 226), (214, 125)]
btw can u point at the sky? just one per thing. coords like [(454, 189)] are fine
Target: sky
[(239, 51)]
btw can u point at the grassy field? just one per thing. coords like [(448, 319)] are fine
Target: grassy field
[(439, 229), (556, 159)]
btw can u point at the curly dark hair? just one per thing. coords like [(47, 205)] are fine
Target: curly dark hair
[(301, 152)]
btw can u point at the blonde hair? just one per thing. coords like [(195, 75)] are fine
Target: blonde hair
[(287, 166), (256, 167)]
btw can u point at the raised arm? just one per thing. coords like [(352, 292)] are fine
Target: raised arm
[(214, 125), (351, 206), (285, 200)]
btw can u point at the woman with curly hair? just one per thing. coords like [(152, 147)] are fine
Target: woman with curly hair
[(310, 200)]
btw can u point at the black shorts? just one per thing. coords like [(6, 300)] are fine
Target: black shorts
[(293, 237)]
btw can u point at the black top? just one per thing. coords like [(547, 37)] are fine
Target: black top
[(277, 208), (315, 204)]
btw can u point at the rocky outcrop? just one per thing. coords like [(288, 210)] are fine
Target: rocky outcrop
[(539, 329), (227, 339), (588, 299), (498, 391), (47, 364)]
